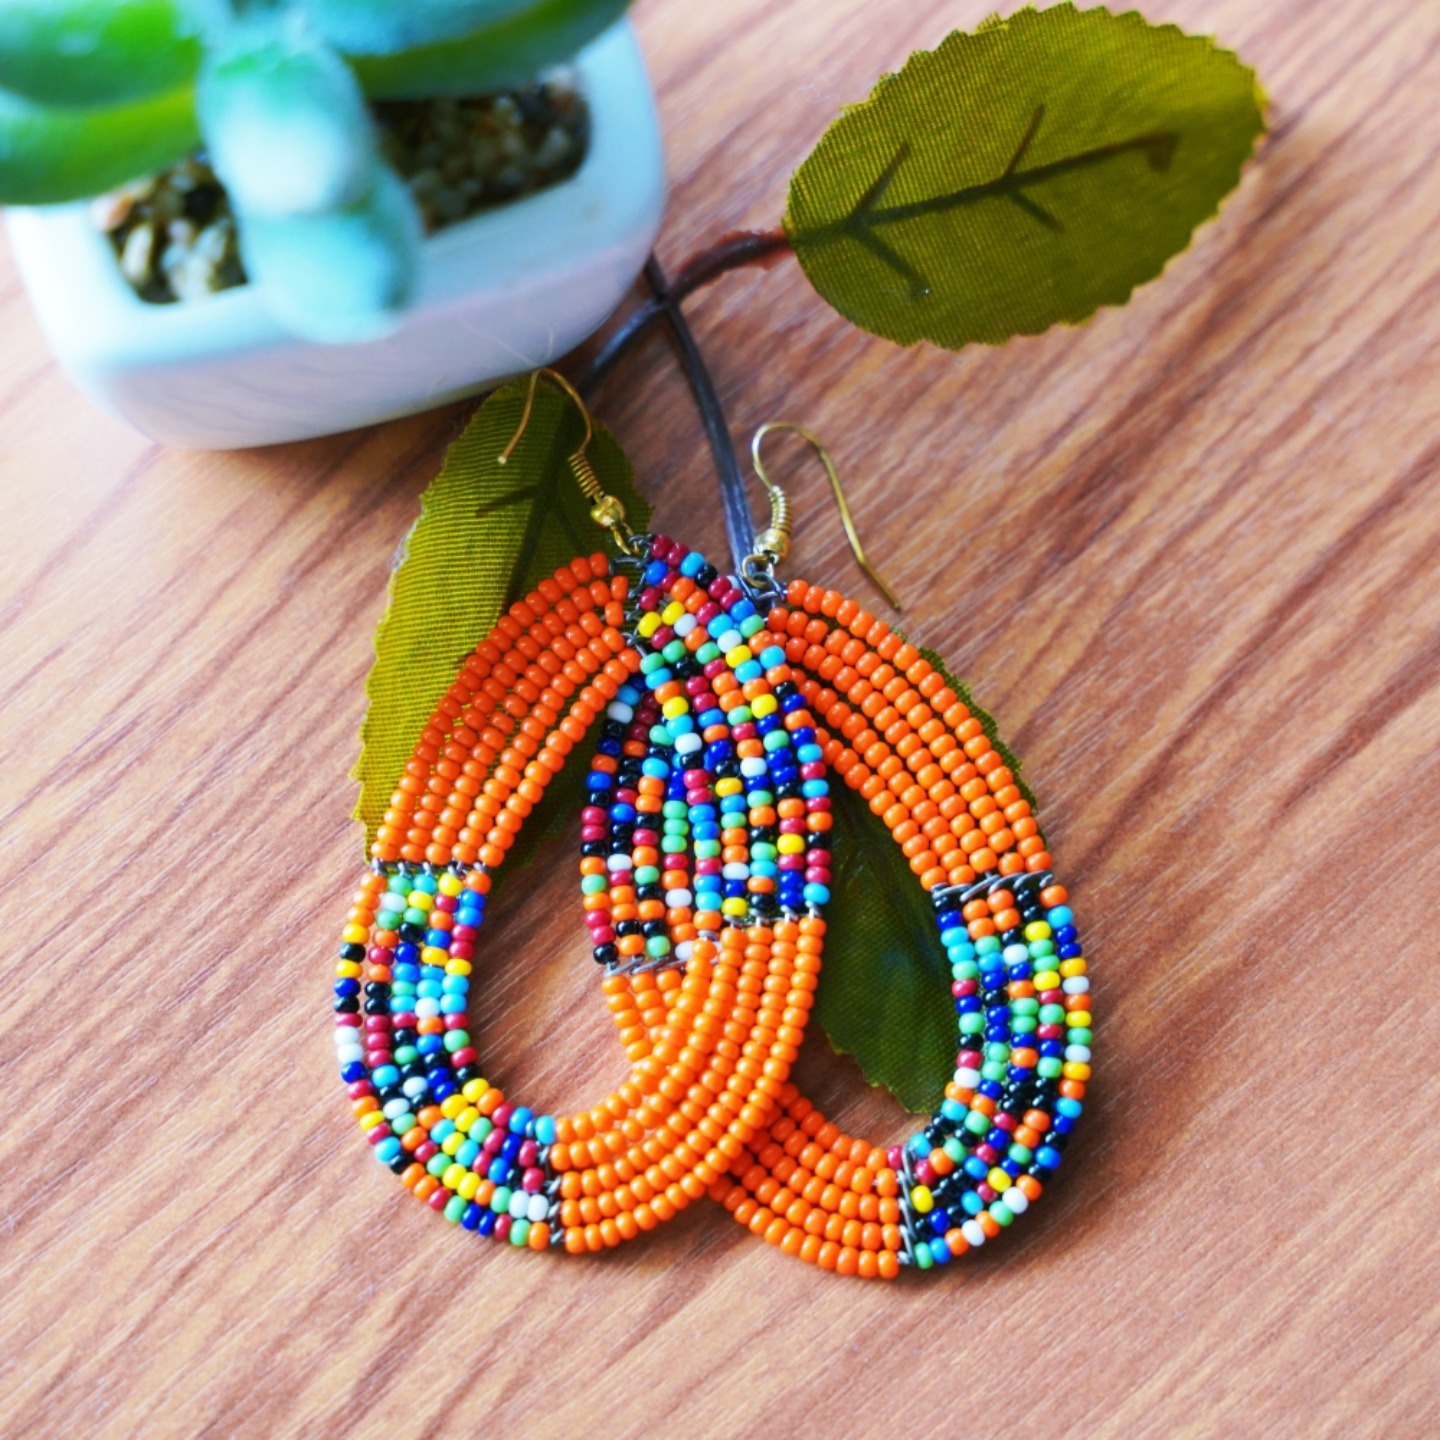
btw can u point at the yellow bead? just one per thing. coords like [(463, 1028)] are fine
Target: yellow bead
[(354, 934), (790, 844), (370, 1120), (1038, 930), (451, 885), (458, 967), (672, 612), (472, 1090), (452, 1142), (434, 955), (1080, 1019), (675, 705), (1047, 980), (452, 1105), (648, 625), (738, 656), (452, 1177), (764, 705), (1072, 967), (1075, 1070), (730, 786), (998, 1179), (348, 970), (922, 1199), (734, 906), (419, 900), (468, 1186)]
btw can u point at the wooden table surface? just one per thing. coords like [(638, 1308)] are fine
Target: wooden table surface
[(1187, 554)]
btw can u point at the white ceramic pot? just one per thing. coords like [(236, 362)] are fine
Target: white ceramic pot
[(499, 294)]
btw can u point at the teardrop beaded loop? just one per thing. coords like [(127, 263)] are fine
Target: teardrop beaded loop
[(895, 732), (718, 1058)]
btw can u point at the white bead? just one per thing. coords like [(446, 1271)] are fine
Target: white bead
[(752, 765), (1015, 954), (396, 1107), (519, 1205), (973, 1233), (679, 899), (735, 870), (537, 1209), (346, 1053), (688, 744), (619, 862), (427, 1008), (619, 710), (1078, 1052), (967, 1077), (1015, 1200), (684, 950), (1076, 985), (684, 625), (415, 1087)]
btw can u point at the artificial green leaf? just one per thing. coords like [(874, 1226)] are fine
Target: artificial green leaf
[(80, 53), (286, 126), (511, 51), (884, 994), (378, 27), (1021, 176), (49, 154), (487, 535), (343, 276)]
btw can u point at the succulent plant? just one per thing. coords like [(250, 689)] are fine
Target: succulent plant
[(96, 93)]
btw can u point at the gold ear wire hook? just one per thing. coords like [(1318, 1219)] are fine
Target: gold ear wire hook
[(775, 541), (605, 510)]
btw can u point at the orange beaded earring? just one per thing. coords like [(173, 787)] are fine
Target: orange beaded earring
[(897, 733)]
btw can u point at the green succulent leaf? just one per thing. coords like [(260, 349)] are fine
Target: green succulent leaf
[(487, 535), (80, 53), (1021, 176), (884, 994), (49, 154), (286, 125), (338, 277), (380, 27), (508, 51)]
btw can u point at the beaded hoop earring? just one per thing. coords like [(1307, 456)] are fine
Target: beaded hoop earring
[(585, 645), (896, 732)]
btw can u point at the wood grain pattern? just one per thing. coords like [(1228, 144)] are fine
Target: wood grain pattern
[(1187, 555)]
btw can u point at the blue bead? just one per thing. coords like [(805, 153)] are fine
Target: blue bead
[(429, 1044), (385, 1075), (499, 1169), (511, 1148), (971, 1203), (975, 1167), (1052, 1049), (656, 572), (1069, 952), (941, 1252), (470, 1219), (521, 1118), (596, 780), (742, 611), (1011, 1167), (692, 564), (439, 938), (939, 1221), (486, 1225), (1059, 916), (1066, 1106), (967, 1004), (406, 953), (545, 1129), (991, 1089), (817, 894), (1048, 1157), (346, 988), (352, 1072), (998, 1139)]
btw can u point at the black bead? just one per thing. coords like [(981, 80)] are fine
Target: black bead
[(606, 954), (467, 1073), (352, 952), (652, 928), (347, 1005)]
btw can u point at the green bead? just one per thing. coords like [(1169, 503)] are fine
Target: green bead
[(674, 652), (674, 810), (657, 945), (965, 970), (923, 1258), (650, 663), (706, 849), (403, 1124), (647, 875), (456, 1039), (758, 798), (1002, 1212), (1050, 1067), (987, 945), (976, 1123), (751, 625), (1052, 1014), (500, 1200), (1080, 1035), (1041, 949), (776, 740), (954, 1149), (519, 1233), (972, 1024), (414, 916), (593, 884), (994, 1070), (997, 1051), (1023, 1154), (387, 919), (404, 1054), (1026, 1006), (438, 1164), (764, 851), (454, 1209), (708, 652), (1023, 1024)]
